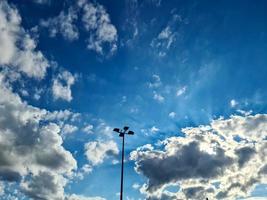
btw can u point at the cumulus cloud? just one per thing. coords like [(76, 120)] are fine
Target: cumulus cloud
[(88, 129), (158, 97), (30, 148), (68, 128), (17, 48), (97, 151), (63, 24), (97, 22), (102, 34), (224, 160), (61, 87)]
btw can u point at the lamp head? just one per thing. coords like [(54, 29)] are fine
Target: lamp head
[(125, 128), (116, 130), (130, 132)]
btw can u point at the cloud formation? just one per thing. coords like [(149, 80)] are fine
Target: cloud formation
[(226, 159), (18, 49), (63, 24), (32, 148), (97, 151), (97, 22), (101, 34), (61, 87)]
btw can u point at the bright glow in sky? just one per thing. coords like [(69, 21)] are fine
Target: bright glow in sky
[(188, 77)]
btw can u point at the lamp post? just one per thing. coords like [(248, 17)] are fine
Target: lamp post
[(122, 133)]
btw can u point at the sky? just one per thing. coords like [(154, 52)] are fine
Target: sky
[(187, 76)]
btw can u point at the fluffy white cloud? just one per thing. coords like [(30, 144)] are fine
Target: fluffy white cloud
[(97, 151), (155, 82), (181, 91), (61, 87), (222, 161), (97, 22), (102, 34), (88, 129), (172, 115), (158, 97), (233, 103), (17, 48), (63, 24), (68, 128), (29, 147), (154, 129)]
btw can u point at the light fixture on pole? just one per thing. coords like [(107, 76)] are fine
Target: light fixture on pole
[(122, 132)]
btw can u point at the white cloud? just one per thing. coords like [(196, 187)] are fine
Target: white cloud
[(88, 129), (97, 151), (172, 115), (155, 82), (68, 128), (31, 148), (102, 34), (158, 97), (207, 156), (136, 186), (181, 91), (63, 24), (154, 129), (167, 36), (233, 103), (17, 48), (97, 22), (61, 87)]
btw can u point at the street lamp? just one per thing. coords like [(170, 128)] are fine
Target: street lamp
[(122, 132)]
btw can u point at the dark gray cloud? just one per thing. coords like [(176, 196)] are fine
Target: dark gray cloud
[(187, 162), (207, 161), (244, 155)]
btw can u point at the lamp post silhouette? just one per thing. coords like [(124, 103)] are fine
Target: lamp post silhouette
[(122, 133)]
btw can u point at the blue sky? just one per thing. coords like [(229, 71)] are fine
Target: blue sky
[(189, 77)]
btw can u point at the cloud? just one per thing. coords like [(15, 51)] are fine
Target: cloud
[(44, 185), (63, 24), (61, 87), (102, 34), (167, 36), (2, 188), (81, 197), (233, 103), (158, 97), (88, 129), (68, 128), (97, 151), (155, 82), (18, 49), (31, 148), (181, 91), (208, 161), (97, 22), (154, 129), (172, 115)]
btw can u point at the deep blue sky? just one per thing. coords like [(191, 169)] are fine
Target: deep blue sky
[(211, 62)]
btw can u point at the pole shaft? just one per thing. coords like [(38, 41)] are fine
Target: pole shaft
[(122, 164)]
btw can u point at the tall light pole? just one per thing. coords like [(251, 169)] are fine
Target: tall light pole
[(122, 133)]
